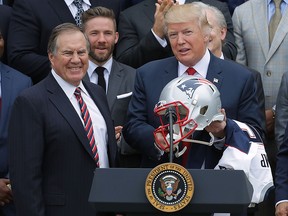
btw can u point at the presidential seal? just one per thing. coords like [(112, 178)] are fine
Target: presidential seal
[(169, 187)]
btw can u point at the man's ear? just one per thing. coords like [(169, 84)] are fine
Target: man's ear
[(223, 33)]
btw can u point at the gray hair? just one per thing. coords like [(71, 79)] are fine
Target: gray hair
[(57, 31)]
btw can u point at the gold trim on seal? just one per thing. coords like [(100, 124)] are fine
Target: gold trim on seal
[(169, 187)]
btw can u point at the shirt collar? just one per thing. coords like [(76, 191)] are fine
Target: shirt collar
[(67, 87), (201, 67), (93, 66), (270, 1), (69, 2)]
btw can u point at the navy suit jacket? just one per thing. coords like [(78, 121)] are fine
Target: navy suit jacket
[(12, 83), (51, 163), (137, 45), (235, 83), (31, 24), (281, 174)]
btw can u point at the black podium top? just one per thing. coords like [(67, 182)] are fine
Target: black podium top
[(123, 190)]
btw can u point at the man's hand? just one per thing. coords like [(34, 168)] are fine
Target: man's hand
[(217, 128), (270, 122), (118, 130), (160, 142), (5, 192), (282, 209), (162, 6)]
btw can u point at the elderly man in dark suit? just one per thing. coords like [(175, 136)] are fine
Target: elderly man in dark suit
[(189, 39), (99, 25), (31, 25), (141, 32), (60, 131)]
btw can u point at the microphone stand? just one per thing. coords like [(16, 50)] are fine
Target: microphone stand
[(172, 119)]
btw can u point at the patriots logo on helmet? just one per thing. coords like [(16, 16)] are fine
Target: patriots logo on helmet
[(189, 86)]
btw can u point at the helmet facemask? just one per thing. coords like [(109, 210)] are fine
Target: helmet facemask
[(196, 103)]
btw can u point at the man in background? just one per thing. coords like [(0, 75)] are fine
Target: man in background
[(31, 24), (12, 82), (142, 37), (116, 79)]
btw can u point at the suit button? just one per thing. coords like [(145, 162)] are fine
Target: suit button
[(268, 73)]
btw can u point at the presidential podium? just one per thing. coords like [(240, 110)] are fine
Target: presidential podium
[(122, 190)]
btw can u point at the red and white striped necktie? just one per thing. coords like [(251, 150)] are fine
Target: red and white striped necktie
[(87, 124)]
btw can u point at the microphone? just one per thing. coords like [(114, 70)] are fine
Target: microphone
[(171, 117), (171, 111)]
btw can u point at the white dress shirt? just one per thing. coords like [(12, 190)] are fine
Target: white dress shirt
[(99, 124)]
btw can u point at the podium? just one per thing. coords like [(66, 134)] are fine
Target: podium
[(122, 190)]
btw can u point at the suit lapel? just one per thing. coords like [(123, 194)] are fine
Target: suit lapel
[(280, 34), (62, 103), (261, 29), (214, 72), (115, 80), (171, 71)]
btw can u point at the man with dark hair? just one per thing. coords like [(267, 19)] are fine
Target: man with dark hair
[(117, 79)]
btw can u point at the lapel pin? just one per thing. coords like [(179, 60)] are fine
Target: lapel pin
[(215, 80)]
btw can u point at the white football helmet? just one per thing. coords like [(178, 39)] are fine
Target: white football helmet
[(195, 103)]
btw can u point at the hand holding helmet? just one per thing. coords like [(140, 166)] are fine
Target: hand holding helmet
[(197, 104)]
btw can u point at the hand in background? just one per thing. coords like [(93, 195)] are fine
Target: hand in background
[(270, 122), (161, 8), (5, 192), (118, 130)]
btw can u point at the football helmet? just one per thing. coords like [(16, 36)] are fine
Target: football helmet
[(194, 103)]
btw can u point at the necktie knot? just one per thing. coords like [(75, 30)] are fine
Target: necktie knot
[(277, 3), (191, 71), (78, 4), (77, 92), (100, 71)]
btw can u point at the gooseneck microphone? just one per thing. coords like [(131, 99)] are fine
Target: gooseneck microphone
[(171, 117)]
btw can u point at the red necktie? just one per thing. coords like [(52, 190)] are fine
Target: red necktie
[(191, 71), (87, 123)]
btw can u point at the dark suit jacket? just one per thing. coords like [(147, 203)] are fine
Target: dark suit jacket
[(235, 83), (137, 44), (281, 185), (261, 98), (31, 24), (5, 12), (12, 83), (51, 161), (232, 4), (8, 2), (121, 82)]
